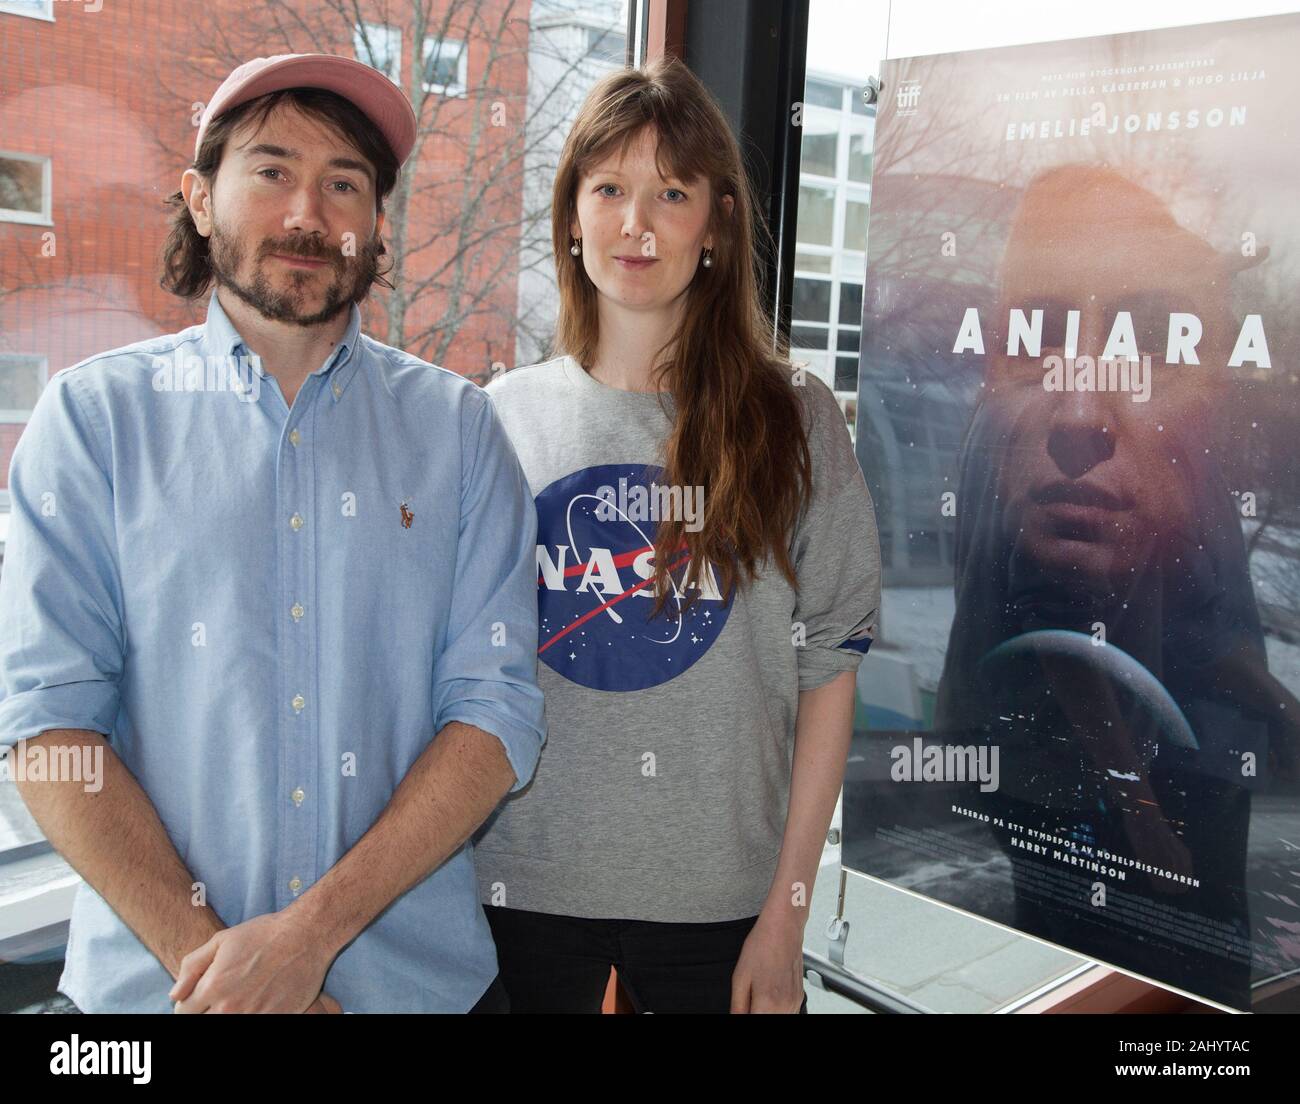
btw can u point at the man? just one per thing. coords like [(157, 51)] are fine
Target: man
[(282, 577)]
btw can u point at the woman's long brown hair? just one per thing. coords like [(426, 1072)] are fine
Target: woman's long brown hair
[(737, 430)]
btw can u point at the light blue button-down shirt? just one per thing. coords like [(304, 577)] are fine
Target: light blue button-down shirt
[(271, 612)]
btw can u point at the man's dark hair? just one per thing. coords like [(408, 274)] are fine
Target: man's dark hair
[(186, 259)]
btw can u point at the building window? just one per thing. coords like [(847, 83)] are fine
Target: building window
[(806, 260), (25, 188), (810, 331), (34, 9), (834, 207), (446, 66), (819, 148), (812, 300), (823, 93), (816, 215), (606, 44), (856, 216), (379, 45), (860, 158), (850, 304), (846, 374), (21, 380)]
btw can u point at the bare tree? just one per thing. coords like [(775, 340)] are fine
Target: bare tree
[(457, 222)]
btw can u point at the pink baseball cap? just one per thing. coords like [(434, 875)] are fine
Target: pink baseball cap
[(378, 98)]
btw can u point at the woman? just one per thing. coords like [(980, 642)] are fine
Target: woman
[(708, 573)]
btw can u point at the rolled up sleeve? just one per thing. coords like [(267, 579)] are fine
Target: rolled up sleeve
[(836, 553), (486, 675), (61, 625)]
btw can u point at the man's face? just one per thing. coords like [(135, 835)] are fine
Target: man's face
[(1093, 485), (294, 231)]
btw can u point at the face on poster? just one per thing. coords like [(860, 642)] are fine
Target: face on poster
[(1079, 417)]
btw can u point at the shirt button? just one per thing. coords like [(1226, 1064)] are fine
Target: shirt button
[(295, 883), (337, 391), (296, 522), (294, 437), (296, 611), (297, 796), (298, 702)]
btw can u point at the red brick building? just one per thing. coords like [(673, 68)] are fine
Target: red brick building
[(98, 105)]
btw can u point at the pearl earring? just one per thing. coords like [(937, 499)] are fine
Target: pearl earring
[(576, 247), (708, 257)]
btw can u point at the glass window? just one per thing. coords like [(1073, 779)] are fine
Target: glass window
[(812, 262), (860, 157), (851, 304), (841, 34), (379, 46), (446, 66), (36, 9), (846, 374), (24, 188), (816, 215), (809, 337), (812, 300), (607, 44), (823, 94), (570, 46), (819, 147), (855, 224)]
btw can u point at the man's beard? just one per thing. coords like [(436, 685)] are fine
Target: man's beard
[(352, 277)]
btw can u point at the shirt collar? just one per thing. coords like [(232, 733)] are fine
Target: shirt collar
[(222, 339)]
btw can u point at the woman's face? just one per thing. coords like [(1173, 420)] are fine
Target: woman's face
[(642, 234)]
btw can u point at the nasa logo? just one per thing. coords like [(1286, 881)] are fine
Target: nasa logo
[(595, 585)]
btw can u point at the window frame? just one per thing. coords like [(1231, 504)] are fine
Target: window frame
[(460, 89), (45, 217), (11, 7), (365, 31), (845, 263)]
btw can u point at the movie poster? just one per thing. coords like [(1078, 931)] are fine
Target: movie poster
[(1079, 417)]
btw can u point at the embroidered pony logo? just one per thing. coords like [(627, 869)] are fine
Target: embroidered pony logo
[(407, 517)]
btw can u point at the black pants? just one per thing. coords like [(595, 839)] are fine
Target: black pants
[(561, 963), (494, 998)]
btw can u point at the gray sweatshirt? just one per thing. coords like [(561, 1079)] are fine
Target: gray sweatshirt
[(662, 791)]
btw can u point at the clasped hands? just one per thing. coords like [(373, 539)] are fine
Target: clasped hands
[(267, 964)]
